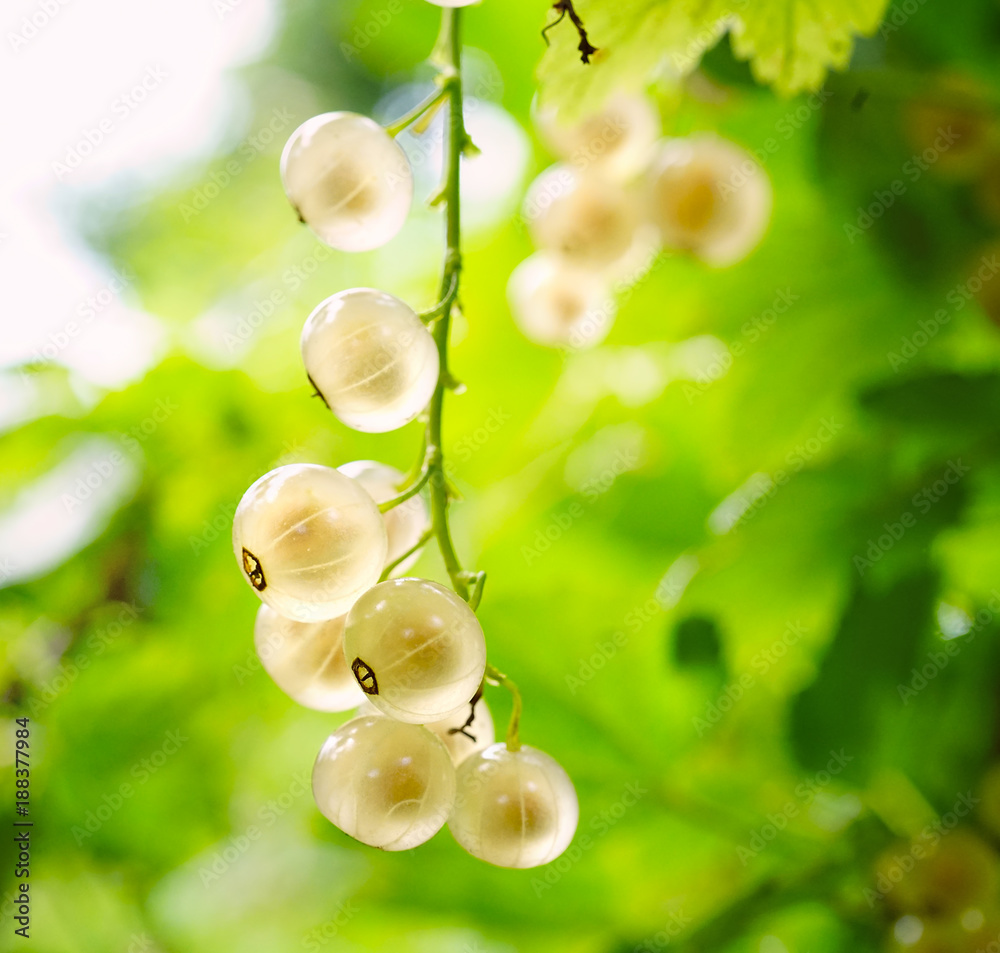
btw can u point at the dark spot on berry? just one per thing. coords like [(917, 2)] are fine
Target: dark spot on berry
[(365, 677), (254, 570)]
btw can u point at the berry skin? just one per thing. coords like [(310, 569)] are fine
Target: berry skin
[(370, 358), (514, 808), (587, 219), (387, 784), (708, 196), (559, 305), (306, 660), (348, 180), (405, 523), (416, 649), (453, 3), (309, 541), (459, 744), (618, 140)]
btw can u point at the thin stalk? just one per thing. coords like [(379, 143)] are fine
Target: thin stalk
[(495, 677), (430, 454), (419, 544), (421, 109), (449, 50)]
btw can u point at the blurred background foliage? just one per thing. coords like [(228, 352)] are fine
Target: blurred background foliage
[(745, 567)]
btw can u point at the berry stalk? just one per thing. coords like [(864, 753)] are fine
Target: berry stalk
[(448, 54)]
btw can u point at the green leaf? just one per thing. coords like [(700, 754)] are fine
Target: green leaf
[(874, 648), (790, 44)]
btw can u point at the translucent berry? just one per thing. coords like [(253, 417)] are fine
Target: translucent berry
[(989, 799), (943, 880), (348, 180), (370, 358), (618, 139), (309, 541), (405, 523), (388, 784), (954, 124), (462, 737), (416, 649), (587, 218), (558, 304), (514, 808), (708, 196), (453, 3), (306, 660)]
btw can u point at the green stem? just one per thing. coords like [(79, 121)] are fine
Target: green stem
[(495, 677), (444, 304), (449, 50), (407, 119), (419, 544), (425, 471), (469, 585)]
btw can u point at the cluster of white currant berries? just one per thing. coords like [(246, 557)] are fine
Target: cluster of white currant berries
[(323, 549), (620, 193)]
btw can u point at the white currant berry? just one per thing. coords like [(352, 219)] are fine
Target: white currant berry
[(453, 3), (306, 660), (708, 196), (514, 808), (309, 541), (587, 218), (416, 649), (405, 523), (370, 358), (387, 784), (618, 139), (348, 180), (558, 304), (463, 737)]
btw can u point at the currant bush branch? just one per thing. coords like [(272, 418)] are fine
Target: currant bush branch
[(431, 472)]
